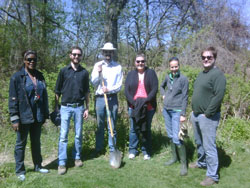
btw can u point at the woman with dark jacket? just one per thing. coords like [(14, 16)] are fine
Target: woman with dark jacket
[(141, 86), (174, 91), (28, 109)]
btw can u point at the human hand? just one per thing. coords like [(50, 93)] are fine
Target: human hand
[(99, 68), (163, 97), (15, 126), (105, 89), (86, 114), (182, 118)]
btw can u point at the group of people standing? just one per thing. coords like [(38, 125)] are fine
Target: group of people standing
[(28, 108)]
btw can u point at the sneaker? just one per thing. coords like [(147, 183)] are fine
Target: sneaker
[(207, 182), (21, 177), (78, 163), (61, 170), (131, 156), (42, 170), (146, 157)]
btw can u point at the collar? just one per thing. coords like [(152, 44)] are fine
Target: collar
[(79, 68)]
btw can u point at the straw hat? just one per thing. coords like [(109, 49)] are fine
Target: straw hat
[(108, 46)]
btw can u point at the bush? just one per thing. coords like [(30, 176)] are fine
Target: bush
[(236, 129)]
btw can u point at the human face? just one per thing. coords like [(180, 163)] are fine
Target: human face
[(108, 54), (30, 62), (208, 60), (75, 56), (174, 66), (140, 64)]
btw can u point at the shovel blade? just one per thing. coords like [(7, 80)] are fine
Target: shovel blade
[(115, 159)]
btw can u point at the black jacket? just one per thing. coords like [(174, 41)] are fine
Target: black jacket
[(19, 105), (151, 86)]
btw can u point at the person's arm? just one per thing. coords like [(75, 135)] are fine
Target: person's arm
[(128, 95), (86, 112), (14, 105), (162, 88), (96, 74), (154, 86), (58, 87), (184, 96), (219, 91)]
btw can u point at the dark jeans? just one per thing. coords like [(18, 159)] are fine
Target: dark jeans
[(134, 134), (21, 140)]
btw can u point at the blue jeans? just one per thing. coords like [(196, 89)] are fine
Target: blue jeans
[(134, 134), (205, 139), (101, 114), (172, 124), (66, 114), (21, 140)]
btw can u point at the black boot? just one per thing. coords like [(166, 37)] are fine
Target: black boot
[(183, 158), (174, 156)]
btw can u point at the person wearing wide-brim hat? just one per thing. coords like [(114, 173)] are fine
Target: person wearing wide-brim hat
[(110, 72)]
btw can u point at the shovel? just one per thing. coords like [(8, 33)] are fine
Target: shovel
[(115, 156)]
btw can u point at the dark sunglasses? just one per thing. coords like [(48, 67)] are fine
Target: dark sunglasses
[(142, 61), (206, 57), (79, 55), (31, 59)]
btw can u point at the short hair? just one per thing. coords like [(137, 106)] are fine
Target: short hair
[(210, 49), (75, 48), (28, 52), (173, 59), (141, 55)]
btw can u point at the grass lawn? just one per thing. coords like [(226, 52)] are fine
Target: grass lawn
[(137, 173)]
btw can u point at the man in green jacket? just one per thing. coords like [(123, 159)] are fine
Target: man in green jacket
[(209, 89)]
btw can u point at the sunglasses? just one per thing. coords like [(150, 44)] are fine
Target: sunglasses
[(79, 55), (142, 61), (207, 57), (31, 59)]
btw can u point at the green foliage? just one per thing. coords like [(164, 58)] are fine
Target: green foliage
[(236, 129)]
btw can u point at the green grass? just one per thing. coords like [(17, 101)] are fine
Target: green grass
[(97, 173)]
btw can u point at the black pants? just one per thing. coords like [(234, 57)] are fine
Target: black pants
[(21, 140)]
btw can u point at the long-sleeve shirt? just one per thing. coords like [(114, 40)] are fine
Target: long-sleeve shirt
[(112, 75), (209, 89)]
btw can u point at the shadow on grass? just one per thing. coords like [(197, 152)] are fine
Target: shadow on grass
[(224, 159)]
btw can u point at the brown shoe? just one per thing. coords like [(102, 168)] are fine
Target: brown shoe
[(61, 170), (78, 163), (207, 182)]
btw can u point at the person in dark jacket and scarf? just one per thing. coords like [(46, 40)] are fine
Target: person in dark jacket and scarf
[(174, 91), (28, 109), (141, 86)]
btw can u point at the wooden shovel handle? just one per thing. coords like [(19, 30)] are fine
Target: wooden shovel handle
[(108, 111)]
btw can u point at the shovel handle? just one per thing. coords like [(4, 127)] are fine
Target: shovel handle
[(108, 111)]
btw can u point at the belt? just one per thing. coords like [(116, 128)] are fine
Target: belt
[(108, 95), (73, 105)]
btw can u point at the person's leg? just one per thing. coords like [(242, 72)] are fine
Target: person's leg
[(133, 135), (66, 114), (208, 128), (21, 141), (35, 135), (100, 114), (113, 107), (201, 161), (146, 138), (175, 121), (78, 122), (168, 122)]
